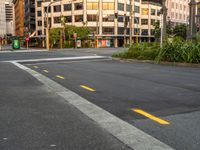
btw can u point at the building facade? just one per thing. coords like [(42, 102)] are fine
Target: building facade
[(2, 18), (19, 17), (9, 17), (109, 19), (29, 20), (178, 11)]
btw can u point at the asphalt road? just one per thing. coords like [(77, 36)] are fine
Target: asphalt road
[(170, 93), (34, 118)]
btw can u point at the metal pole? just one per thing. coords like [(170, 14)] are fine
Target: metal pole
[(192, 25), (131, 22), (161, 26), (164, 20), (124, 30)]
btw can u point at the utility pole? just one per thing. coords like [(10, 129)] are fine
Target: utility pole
[(191, 34), (131, 22), (164, 20), (125, 25)]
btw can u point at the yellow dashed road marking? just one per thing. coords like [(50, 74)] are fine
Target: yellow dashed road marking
[(87, 88), (60, 77), (152, 117), (36, 67), (46, 71)]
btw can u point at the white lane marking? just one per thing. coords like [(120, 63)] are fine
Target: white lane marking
[(73, 61), (123, 131), (60, 59), (23, 51)]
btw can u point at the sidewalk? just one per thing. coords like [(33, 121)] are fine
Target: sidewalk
[(32, 117)]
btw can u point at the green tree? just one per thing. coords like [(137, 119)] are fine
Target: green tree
[(180, 30), (157, 30), (54, 36)]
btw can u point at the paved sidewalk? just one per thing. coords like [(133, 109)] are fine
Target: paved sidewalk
[(32, 117)]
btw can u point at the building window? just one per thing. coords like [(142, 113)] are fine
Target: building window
[(144, 32), (67, 7), (137, 0), (158, 12), (56, 20), (152, 31), (39, 32), (120, 30), (108, 6), (68, 19), (153, 21), (91, 17), (45, 9), (92, 6), (153, 12), (172, 4), (78, 6), (108, 30), (57, 8), (121, 6), (136, 20), (108, 18), (39, 13), (39, 23), (144, 21), (39, 3), (136, 31), (128, 7), (136, 9), (120, 19), (79, 18)]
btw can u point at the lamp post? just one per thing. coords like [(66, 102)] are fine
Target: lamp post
[(47, 22), (131, 22)]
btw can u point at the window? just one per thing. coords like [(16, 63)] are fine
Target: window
[(153, 21), (137, 9), (78, 6), (136, 31), (92, 6), (120, 19), (128, 7), (56, 20), (152, 31), (158, 12), (39, 3), (120, 30), (79, 18), (39, 23), (108, 6), (153, 12), (121, 6), (136, 20), (68, 19), (45, 9), (172, 4), (144, 32), (39, 13), (67, 7), (57, 8), (144, 21), (39, 32), (91, 17), (108, 30), (137, 0), (109, 18)]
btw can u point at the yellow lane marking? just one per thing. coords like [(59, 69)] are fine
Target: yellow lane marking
[(36, 67), (87, 88), (152, 117), (46, 71), (60, 77)]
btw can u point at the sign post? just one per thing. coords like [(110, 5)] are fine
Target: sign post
[(27, 41), (75, 37)]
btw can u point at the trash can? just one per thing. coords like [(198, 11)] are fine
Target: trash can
[(15, 43)]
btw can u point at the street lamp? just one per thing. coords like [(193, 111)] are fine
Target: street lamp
[(47, 22)]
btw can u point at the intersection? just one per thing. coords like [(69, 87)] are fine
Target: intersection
[(140, 94)]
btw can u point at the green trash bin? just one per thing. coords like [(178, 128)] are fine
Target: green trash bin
[(15, 43)]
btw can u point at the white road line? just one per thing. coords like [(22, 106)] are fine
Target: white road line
[(125, 132), (23, 51), (59, 59), (73, 61)]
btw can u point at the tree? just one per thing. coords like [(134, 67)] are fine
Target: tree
[(157, 30), (180, 30), (54, 35)]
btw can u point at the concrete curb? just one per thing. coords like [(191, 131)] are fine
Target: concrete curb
[(123, 131), (160, 63)]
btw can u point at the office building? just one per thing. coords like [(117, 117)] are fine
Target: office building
[(2, 18), (19, 17), (9, 17)]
